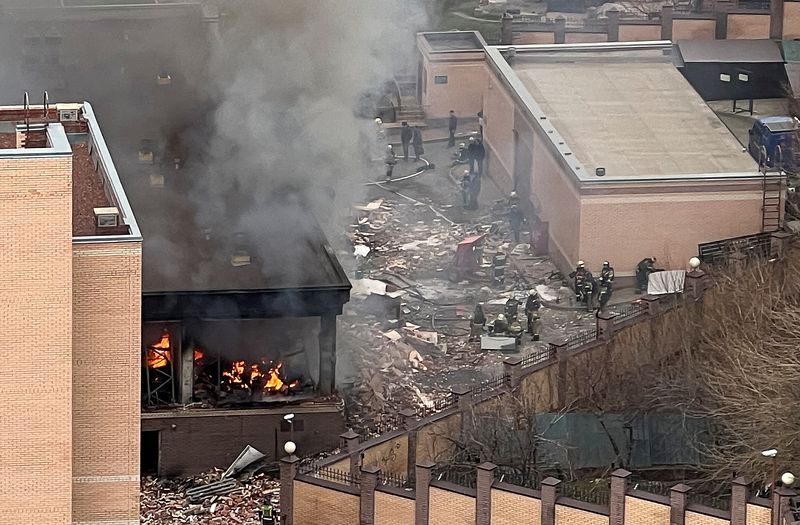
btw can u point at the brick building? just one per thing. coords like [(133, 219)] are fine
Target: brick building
[(70, 290)]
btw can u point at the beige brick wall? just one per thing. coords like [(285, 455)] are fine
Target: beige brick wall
[(450, 508), (567, 516), (393, 510), (534, 37), (106, 380), (314, 505), (694, 518), (432, 444), (791, 20), (35, 335), (693, 30), (748, 26), (511, 509), (463, 91), (577, 38), (757, 515), (643, 512), (391, 457), (498, 130), (639, 33)]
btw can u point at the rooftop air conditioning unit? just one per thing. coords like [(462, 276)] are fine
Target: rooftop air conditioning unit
[(69, 114), (107, 217)]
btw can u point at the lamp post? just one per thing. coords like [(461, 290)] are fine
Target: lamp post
[(289, 418), (771, 453)]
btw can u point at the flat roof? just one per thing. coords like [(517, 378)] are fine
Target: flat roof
[(93, 184), (629, 111), (730, 51), (453, 41)]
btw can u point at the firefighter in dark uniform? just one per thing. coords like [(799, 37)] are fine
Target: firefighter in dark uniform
[(515, 220), (511, 309), (579, 277), (476, 323), (406, 134), (532, 305), (606, 284), (466, 188), (499, 325), (643, 270)]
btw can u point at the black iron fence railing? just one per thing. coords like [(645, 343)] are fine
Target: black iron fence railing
[(494, 383), (437, 406), (630, 311), (537, 356), (582, 338), (748, 246)]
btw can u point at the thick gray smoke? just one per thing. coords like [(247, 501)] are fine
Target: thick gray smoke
[(284, 83)]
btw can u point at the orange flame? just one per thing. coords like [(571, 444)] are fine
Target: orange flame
[(198, 354), (159, 354), (266, 379)]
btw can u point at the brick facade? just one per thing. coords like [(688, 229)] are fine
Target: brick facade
[(509, 508), (451, 508), (316, 505), (70, 328), (566, 514), (393, 510), (106, 335), (642, 512), (36, 337)]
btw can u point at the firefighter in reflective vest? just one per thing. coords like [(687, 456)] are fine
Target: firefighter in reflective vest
[(579, 276), (499, 325), (606, 282), (511, 309), (643, 270)]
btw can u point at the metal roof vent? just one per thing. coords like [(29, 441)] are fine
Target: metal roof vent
[(600, 172), (106, 217)]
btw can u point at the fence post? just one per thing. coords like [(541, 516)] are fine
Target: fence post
[(423, 492), (666, 22), (507, 29), (409, 416), (721, 25), (619, 488), (780, 504), (288, 473), (560, 353), (677, 503), (349, 443), (653, 304), (605, 326), (369, 480), (613, 25), (739, 501), (695, 284), (779, 242), (512, 368), (483, 494), (560, 30), (776, 19), (549, 495)]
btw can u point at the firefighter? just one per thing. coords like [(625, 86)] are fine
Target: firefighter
[(267, 514), (416, 141), (643, 270), (466, 189), (579, 276), (471, 154), (589, 288), (513, 199), (461, 156), (499, 325), (532, 305), (477, 323), (498, 268), (511, 309), (478, 155), (606, 284), (515, 330), (390, 160), (515, 220), (406, 134), (474, 191)]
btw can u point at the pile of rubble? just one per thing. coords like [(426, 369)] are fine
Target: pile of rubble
[(164, 501), (405, 330)]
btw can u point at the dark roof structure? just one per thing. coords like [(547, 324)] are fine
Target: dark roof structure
[(730, 51), (453, 41)]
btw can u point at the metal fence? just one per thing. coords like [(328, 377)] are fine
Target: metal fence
[(663, 489), (494, 383), (587, 492), (631, 311), (329, 474), (388, 423), (394, 480), (438, 405), (537, 356), (466, 478), (748, 246), (582, 338)]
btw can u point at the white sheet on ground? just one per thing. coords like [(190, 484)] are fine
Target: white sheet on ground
[(661, 283)]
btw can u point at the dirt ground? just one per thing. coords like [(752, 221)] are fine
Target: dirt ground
[(385, 363)]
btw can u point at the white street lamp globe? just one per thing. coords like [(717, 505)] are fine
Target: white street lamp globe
[(694, 263), (787, 478), (289, 447)]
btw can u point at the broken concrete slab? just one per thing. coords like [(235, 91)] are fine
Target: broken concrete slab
[(498, 343)]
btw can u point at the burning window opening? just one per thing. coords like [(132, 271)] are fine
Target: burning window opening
[(159, 355)]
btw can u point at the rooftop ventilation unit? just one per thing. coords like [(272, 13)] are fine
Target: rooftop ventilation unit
[(107, 217)]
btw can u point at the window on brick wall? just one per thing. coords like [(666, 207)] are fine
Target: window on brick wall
[(440, 79)]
